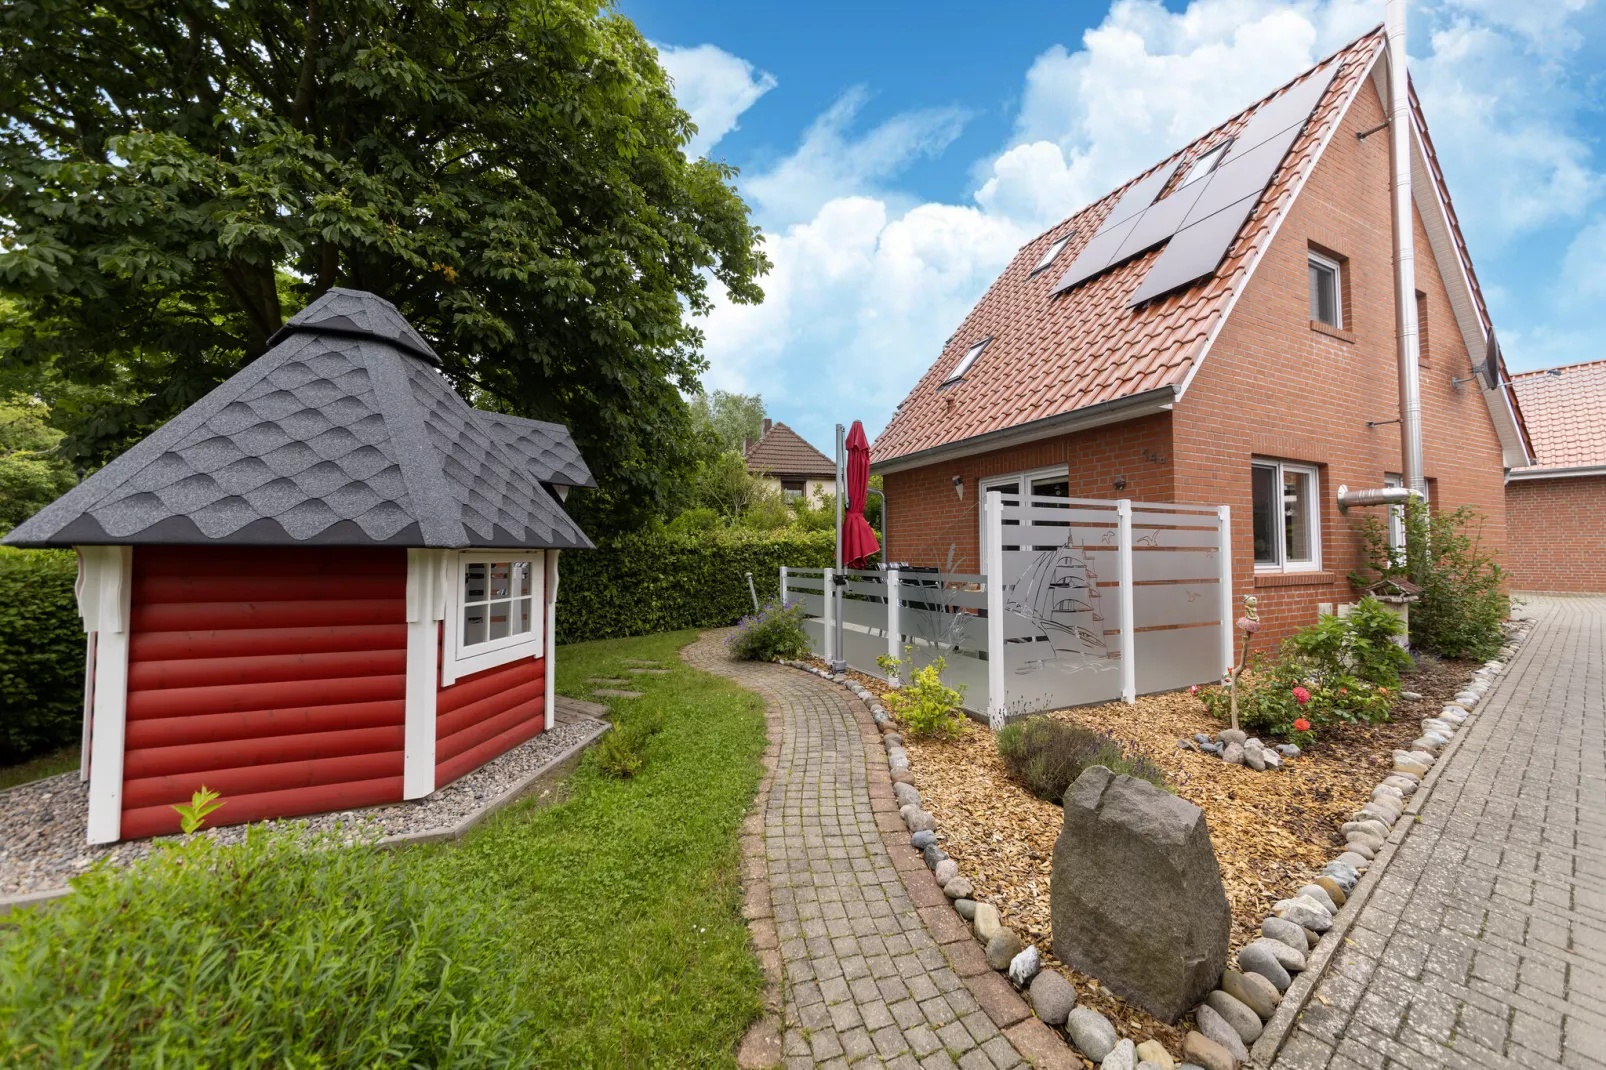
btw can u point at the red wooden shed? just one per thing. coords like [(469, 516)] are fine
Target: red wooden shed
[(327, 584)]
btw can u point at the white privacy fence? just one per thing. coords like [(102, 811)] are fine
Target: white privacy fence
[(1098, 600)]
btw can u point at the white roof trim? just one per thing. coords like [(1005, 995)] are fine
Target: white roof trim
[(1523, 475)]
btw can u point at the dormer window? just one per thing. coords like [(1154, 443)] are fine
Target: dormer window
[(1052, 253), (965, 362), (1205, 164)]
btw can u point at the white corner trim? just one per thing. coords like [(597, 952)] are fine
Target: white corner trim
[(1277, 225), (426, 606), (105, 575), (549, 669)]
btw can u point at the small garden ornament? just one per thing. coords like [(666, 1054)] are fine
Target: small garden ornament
[(1249, 624)]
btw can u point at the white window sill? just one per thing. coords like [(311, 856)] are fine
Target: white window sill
[(491, 659)]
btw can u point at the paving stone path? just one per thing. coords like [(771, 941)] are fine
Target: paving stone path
[(1484, 944), (866, 981)]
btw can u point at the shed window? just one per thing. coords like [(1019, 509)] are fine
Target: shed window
[(1325, 304), (497, 617), (966, 361), (1287, 521)]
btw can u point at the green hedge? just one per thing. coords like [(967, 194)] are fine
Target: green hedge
[(660, 582), (41, 653)]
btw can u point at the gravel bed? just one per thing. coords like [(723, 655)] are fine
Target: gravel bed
[(42, 824)]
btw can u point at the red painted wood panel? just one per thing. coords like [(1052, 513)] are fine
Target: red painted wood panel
[(275, 676), (487, 714), (160, 820)]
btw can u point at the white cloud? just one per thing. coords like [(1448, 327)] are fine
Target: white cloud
[(714, 87), (868, 283)]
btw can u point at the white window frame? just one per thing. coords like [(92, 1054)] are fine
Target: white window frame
[(1052, 254), (1205, 163), (967, 360), (1020, 482), (1337, 269), (1314, 519), (461, 660)]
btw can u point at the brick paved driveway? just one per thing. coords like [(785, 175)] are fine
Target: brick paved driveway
[(865, 983), (1484, 944)]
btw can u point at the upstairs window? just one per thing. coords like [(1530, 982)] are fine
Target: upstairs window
[(1205, 164), (1052, 253), (1325, 291), (1287, 522), (965, 362)]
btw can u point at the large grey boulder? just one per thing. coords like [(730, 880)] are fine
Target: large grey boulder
[(1136, 897)]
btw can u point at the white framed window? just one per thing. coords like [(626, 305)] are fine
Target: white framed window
[(1052, 253), (1205, 164), (496, 610), (966, 361), (1287, 518), (1326, 291), (1054, 482)]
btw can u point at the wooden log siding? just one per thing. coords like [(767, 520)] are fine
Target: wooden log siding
[(487, 714), (275, 676)]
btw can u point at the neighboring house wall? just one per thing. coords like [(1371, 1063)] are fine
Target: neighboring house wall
[(812, 487), (1557, 534), (275, 676), (1273, 386)]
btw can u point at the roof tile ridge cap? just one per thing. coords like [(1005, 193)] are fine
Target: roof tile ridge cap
[(1597, 362), (82, 498), (438, 514)]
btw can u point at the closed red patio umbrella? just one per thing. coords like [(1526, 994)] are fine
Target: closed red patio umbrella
[(858, 538)]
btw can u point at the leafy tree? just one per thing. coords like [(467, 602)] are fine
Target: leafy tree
[(177, 178), (730, 419), (725, 485), (31, 474)]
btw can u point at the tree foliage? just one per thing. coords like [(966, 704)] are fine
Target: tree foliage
[(731, 420), (31, 474), (177, 178)]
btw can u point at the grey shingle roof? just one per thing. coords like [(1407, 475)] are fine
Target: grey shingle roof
[(341, 434), (548, 448)]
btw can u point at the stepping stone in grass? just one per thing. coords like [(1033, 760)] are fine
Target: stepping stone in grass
[(606, 680), (608, 692), (641, 661), (652, 672)]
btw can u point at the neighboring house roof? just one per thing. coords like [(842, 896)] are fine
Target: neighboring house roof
[(344, 433), (1088, 354), (1566, 412), (784, 452)]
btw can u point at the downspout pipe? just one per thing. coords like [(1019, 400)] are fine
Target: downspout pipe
[(1404, 253)]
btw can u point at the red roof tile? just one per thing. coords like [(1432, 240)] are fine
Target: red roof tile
[(1566, 413), (784, 452), (1053, 355)]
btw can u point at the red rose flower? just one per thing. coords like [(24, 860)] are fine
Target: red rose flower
[(1193, 689), (1301, 725), (1301, 696)]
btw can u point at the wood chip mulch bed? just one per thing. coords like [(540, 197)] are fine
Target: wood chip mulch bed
[(1272, 831)]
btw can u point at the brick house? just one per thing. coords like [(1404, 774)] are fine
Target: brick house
[(1561, 543), (785, 460), (1168, 344)]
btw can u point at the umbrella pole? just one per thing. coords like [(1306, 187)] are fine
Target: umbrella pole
[(839, 663)]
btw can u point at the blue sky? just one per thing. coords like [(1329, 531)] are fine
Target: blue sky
[(896, 155)]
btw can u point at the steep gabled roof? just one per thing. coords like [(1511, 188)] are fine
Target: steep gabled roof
[(1566, 412), (344, 433), (1055, 355), (784, 452)]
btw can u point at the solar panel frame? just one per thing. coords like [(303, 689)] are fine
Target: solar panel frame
[(1278, 114), (1096, 255), (1242, 175), (1140, 196), (1195, 251), (1161, 220)]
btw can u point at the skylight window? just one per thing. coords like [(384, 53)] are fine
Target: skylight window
[(1053, 252), (1205, 164), (965, 362)]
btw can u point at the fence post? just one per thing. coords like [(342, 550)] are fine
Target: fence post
[(1129, 646), (894, 628), (783, 585), (829, 618), (993, 567), (1224, 516)]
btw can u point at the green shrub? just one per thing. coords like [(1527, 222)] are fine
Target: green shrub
[(1360, 645), (776, 631), (41, 653), (693, 521), (1045, 756), (619, 753), (1464, 600), (659, 581), (269, 953), (925, 706)]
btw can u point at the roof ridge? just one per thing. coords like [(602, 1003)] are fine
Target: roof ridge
[(1556, 368)]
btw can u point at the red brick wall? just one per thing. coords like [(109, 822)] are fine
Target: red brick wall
[(1273, 386), (928, 521), (1558, 534)]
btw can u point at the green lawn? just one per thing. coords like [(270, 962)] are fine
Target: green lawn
[(38, 768), (628, 893)]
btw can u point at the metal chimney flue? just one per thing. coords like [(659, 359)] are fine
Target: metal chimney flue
[(1404, 252)]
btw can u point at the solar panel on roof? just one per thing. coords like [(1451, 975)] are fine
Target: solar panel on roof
[(1096, 255), (1242, 175), (1195, 251), (1159, 221), (1139, 197), (1282, 112)]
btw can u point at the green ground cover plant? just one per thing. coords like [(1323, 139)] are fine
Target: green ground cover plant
[(926, 708), (598, 925), (775, 631), (50, 763), (1045, 756)]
